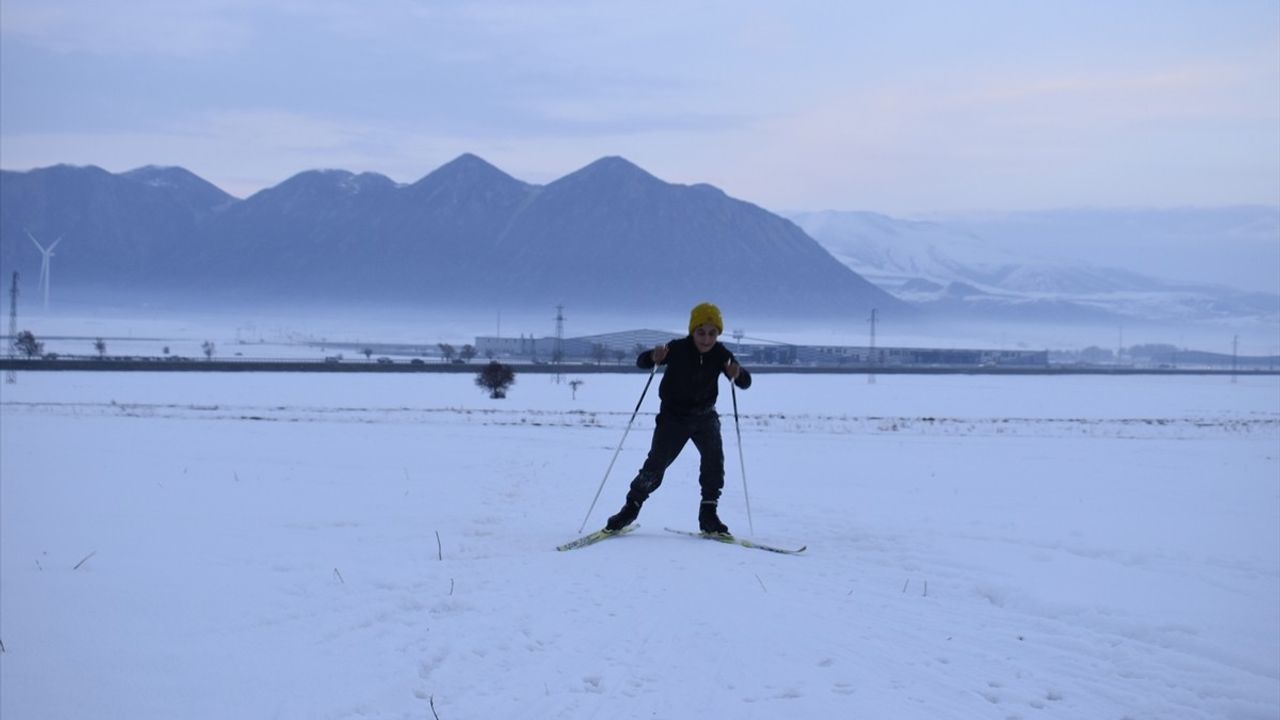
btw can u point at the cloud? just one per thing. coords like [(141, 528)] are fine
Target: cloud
[(141, 27), (1022, 137), (926, 106)]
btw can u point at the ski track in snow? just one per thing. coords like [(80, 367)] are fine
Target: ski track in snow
[(281, 560), (1138, 427)]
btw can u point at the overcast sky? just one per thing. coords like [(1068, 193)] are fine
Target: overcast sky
[(903, 107)]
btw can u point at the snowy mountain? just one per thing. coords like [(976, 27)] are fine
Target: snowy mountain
[(186, 188), (1236, 246), (953, 270)]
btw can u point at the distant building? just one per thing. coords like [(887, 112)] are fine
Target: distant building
[(610, 347), (622, 348)]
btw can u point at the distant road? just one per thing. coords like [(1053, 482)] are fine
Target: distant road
[(360, 366)]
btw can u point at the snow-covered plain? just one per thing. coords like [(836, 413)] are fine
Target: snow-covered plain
[(193, 545)]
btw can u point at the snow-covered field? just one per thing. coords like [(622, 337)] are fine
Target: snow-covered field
[(191, 545)]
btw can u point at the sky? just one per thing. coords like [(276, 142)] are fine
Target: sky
[(903, 108)]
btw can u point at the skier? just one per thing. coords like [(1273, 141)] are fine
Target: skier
[(688, 392)]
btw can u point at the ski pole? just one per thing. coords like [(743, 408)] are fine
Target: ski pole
[(620, 442), (737, 429)]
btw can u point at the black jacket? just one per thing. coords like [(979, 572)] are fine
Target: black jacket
[(690, 384)]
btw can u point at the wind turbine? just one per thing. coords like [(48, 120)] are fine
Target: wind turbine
[(45, 253)]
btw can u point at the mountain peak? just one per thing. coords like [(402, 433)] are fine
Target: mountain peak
[(67, 170), (166, 175), (467, 159), (328, 183), (467, 168), (152, 170), (614, 161), (181, 182), (312, 180), (344, 179), (615, 165), (610, 171), (319, 175)]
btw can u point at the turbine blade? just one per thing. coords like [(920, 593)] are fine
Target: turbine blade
[(33, 239)]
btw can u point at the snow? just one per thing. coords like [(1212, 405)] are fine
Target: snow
[(265, 545)]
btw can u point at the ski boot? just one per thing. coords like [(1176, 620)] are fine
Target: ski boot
[(627, 515), (708, 521)]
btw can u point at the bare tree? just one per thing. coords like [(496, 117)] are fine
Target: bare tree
[(574, 385), (468, 352), (496, 378), (447, 351), (208, 347), (367, 352), (599, 352), (27, 344), (101, 346)]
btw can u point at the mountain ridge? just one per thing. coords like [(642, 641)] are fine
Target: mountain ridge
[(605, 235)]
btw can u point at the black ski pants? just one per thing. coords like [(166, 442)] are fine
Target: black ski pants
[(669, 438)]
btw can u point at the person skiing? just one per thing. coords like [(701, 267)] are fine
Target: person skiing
[(688, 392)]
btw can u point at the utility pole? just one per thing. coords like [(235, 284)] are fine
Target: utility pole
[(11, 375), (559, 354)]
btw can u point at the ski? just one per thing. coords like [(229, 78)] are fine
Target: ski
[(731, 540), (593, 538)]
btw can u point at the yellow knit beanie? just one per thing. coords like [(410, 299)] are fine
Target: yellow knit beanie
[(704, 314)]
